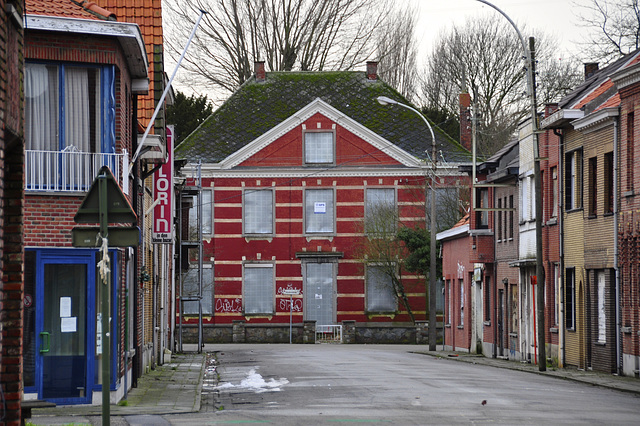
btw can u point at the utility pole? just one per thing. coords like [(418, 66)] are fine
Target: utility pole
[(540, 278)]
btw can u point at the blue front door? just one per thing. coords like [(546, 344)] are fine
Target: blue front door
[(64, 354)]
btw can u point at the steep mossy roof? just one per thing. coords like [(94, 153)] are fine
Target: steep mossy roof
[(256, 107)]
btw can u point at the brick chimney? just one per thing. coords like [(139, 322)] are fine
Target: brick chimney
[(372, 70), (261, 74), (465, 120), (550, 108), (590, 68)]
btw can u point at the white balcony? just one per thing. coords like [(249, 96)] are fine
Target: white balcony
[(71, 171)]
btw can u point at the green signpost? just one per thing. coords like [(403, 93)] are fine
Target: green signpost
[(105, 203)]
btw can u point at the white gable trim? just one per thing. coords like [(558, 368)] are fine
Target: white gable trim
[(319, 106)]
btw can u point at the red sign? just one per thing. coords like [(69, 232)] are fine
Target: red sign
[(162, 232)]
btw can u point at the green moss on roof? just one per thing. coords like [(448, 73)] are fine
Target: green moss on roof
[(256, 107)]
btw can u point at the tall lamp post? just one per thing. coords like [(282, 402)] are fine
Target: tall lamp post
[(383, 100), (531, 86)]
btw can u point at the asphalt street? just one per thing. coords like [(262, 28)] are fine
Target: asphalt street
[(329, 384), (367, 384)]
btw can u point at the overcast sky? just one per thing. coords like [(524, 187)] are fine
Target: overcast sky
[(557, 18)]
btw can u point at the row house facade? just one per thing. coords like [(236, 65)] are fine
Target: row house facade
[(480, 315), (84, 70), (11, 207), (587, 149), (627, 81), (296, 171), (152, 302)]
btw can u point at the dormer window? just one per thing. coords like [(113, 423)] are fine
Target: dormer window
[(319, 147)]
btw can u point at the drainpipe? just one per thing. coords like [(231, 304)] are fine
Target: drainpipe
[(495, 305), (561, 327), (136, 324), (615, 241)]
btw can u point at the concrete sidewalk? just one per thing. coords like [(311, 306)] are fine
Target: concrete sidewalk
[(610, 381), (172, 388)]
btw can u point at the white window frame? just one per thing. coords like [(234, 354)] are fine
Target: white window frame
[(392, 304), (307, 213), (257, 191), (307, 146), (269, 291)]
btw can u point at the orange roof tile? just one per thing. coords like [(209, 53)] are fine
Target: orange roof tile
[(462, 222), (148, 15), (613, 101), (68, 9), (606, 85)]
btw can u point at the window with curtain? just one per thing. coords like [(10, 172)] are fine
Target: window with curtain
[(381, 216), (62, 108), (319, 148), (319, 211), (259, 288), (380, 294), (258, 211)]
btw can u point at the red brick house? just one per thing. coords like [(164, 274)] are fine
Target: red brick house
[(11, 207), (627, 82), (457, 271), (293, 167), (82, 72), (479, 307), (589, 123)]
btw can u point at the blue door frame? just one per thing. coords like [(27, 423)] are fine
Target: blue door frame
[(85, 258)]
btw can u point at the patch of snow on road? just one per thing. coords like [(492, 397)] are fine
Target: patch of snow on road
[(254, 381)]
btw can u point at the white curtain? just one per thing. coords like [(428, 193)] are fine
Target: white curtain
[(41, 107), (77, 113)]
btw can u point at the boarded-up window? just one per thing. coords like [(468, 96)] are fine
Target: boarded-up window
[(258, 211), (319, 211), (258, 288), (380, 294)]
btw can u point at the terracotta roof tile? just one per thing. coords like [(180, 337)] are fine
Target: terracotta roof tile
[(148, 15), (606, 85), (61, 8)]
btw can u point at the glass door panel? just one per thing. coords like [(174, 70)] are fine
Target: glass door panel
[(63, 339)]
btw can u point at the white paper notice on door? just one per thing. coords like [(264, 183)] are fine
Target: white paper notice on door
[(68, 325), (318, 296), (65, 307), (320, 208)]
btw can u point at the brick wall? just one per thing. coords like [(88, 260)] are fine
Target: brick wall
[(11, 207)]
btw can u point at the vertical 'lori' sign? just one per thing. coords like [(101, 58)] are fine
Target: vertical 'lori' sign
[(163, 197)]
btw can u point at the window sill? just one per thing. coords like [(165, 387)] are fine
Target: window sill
[(592, 216), (626, 330), (249, 317), (513, 334), (461, 327), (574, 210), (601, 343), (447, 325), (553, 330), (487, 323), (552, 221), (608, 214), (629, 193)]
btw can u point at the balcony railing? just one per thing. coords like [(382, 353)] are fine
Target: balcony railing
[(71, 171)]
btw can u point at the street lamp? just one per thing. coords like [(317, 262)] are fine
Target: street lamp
[(531, 86), (383, 100)]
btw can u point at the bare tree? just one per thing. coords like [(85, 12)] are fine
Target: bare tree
[(484, 57), (397, 52), (308, 35), (385, 252), (615, 28)]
